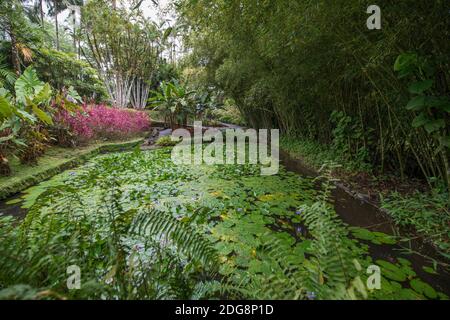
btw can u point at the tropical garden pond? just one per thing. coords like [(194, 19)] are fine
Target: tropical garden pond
[(140, 227), (93, 207)]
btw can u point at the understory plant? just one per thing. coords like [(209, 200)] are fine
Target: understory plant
[(24, 113), (174, 101)]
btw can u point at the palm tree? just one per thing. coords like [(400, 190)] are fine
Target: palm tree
[(13, 23), (58, 6), (74, 10)]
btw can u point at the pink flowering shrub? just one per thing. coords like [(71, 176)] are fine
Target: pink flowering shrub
[(101, 121)]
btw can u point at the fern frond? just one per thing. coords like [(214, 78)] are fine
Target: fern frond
[(7, 76), (160, 224)]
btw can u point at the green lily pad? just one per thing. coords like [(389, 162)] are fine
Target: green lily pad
[(391, 271), (423, 288)]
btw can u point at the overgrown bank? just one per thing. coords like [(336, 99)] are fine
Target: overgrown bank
[(411, 204)]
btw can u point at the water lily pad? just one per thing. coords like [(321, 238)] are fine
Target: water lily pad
[(423, 288), (391, 271), (408, 294), (372, 236)]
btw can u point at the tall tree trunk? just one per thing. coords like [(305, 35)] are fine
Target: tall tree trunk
[(15, 52), (56, 24), (79, 49), (41, 8), (74, 21), (114, 4)]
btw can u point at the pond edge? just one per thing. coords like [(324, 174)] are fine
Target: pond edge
[(8, 190)]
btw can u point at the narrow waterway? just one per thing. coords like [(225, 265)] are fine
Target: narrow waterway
[(358, 213), (354, 212)]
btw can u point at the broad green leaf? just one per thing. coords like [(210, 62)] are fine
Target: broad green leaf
[(423, 288), (429, 270), (25, 115), (408, 294), (72, 93), (441, 103), (5, 107), (167, 33), (42, 115), (391, 271), (420, 120), (404, 60), (434, 125), (420, 87), (416, 103), (27, 85), (44, 95), (14, 201)]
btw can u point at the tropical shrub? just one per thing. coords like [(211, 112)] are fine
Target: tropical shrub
[(23, 114), (64, 70), (103, 122), (174, 101)]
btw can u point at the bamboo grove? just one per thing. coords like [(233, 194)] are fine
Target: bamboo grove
[(298, 64)]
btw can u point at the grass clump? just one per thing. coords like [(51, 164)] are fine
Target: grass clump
[(427, 213)]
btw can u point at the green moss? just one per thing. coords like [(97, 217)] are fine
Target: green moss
[(55, 160)]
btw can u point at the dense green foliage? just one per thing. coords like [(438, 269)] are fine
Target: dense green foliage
[(427, 213), (174, 101), (64, 70), (293, 64), (139, 226), (23, 112), (366, 105), (38, 81)]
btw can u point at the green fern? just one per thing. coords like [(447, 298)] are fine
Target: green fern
[(331, 271), (7, 76), (160, 224)]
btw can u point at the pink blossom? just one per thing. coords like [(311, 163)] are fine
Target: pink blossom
[(101, 121)]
